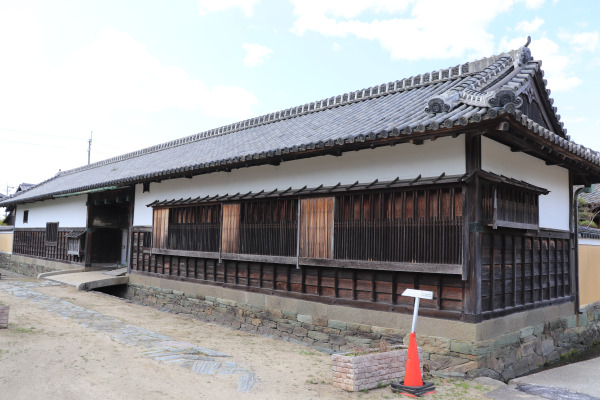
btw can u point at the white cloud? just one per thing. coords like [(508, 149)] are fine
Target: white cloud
[(529, 26), (117, 73), (408, 29), (207, 6), (533, 4), (585, 41), (555, 62), (256, 54), (113, 86), (336, 47)]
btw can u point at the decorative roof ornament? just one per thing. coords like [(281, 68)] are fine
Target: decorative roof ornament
[(443, 103), (525, 53), (506, 98), (483, 90)]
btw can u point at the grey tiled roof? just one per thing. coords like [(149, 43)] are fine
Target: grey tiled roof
[(594, 197), (443, 99), (588, 233), (24, 186)]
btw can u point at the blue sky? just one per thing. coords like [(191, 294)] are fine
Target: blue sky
[(138, 73)]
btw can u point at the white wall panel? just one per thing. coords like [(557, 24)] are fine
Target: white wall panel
[(588, 242), (554, 207), (67, 211), (383, 163)]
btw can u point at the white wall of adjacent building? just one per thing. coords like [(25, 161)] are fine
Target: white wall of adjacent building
[(67, 211), (406, 161), (554, 207)]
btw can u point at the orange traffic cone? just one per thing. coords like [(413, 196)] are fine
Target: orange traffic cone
[(413, 385)]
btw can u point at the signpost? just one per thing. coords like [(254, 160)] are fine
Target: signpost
[(417, 294)]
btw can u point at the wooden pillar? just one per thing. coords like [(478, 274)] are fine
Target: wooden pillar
[(89, 234), (472, 230)]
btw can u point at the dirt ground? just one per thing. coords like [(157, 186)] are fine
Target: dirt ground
[(45, 356)]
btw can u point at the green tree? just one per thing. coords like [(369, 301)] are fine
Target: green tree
[(587, 213)]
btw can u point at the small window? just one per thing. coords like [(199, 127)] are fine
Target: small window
[(510, 206), (51, 232), (25, 216), (75, 242)]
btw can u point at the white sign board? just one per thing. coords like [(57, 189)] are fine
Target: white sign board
[(421, 294)]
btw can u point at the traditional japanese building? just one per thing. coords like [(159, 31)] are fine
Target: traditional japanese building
[(458, 181)]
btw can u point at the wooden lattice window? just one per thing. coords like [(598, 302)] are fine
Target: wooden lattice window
[(416, 226), (51, 236), (269, 227), (194, 228), (510, 206)]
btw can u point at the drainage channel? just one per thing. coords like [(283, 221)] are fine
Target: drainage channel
[(156, 346)]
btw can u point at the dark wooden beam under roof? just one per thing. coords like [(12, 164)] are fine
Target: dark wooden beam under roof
[(519, 138)]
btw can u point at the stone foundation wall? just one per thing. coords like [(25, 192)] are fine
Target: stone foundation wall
[(4, 316), (324, 334), (30, 266), (503, 357), (520, 352), (28, 269), (4, 260)]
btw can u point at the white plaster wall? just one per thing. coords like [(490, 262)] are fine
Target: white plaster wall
[(588, 242), (383, 163), (554, 207), (67, 211)]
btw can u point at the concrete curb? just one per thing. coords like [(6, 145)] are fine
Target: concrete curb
[(43, 275)]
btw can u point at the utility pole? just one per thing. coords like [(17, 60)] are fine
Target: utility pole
[(90, 146)]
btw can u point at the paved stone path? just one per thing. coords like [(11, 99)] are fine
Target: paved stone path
[(555, 393), (156, 346)]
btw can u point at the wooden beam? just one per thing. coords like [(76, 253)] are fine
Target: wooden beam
[(472, 240)]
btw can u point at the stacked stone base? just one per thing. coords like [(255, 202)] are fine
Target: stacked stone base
[(325, 334), (4, 260), (4, 316), (521, 352), (356, 373), (503, 357), (32, 267)]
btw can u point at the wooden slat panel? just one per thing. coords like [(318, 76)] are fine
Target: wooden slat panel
[(161, 228), (316, 227), (230, 235)]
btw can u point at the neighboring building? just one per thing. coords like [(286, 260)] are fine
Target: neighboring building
[(456, 181), (589, 208), (10, 218), (24, 186)]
